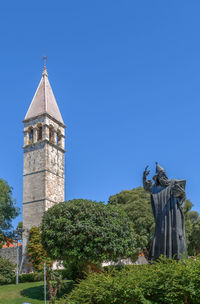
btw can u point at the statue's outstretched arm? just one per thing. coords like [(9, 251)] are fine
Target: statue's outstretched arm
[(147, 184)]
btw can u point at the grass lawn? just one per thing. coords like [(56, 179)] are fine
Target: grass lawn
[(23, 292)]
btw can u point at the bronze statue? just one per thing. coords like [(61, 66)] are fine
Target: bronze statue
[(167, 201)]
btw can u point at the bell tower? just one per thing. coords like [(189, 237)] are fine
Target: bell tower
[(44, 157)]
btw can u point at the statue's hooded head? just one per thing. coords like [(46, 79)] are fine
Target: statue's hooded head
[(160, 177)]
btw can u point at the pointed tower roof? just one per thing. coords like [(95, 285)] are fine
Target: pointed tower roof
[(44, 101)]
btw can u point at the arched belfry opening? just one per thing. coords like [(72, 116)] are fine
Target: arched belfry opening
[(30, 135), (39, 132), (58, 140), (51, 133)]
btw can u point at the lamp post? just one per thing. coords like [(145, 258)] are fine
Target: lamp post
[(18, 236), (45, 283)]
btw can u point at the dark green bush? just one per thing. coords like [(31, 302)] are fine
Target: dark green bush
[(39, 276), (76, 270), (166, 282), (65, 288), (30, 277), (7, 273)]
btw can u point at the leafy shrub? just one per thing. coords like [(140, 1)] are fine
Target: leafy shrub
[(7, 273), (166, 282), (30, 277)]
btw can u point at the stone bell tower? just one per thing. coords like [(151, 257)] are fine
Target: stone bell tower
[(44, 157)]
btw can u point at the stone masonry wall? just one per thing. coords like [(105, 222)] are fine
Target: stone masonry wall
[(32, 214), (34, 158), (10, 253), (55, 160), (54, 188)]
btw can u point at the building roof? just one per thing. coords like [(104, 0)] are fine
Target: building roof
[(10, 244), (44, 101)]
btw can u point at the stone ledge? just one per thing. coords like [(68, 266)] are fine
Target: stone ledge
[(44, 141), (44, 114), (40, 200), (36, 172)]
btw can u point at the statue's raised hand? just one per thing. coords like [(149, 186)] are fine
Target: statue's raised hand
[(147, 184), (146, 172)]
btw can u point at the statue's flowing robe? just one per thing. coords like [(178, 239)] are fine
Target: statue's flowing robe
[(167, 205)]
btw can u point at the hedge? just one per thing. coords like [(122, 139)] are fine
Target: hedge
[(166, 282), (38, 276), (30, 277)]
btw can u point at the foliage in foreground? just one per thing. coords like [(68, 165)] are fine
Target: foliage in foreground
[(7, 273), (87, 231), (166, 282)]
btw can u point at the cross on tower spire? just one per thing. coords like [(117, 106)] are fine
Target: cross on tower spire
[(45, 61), (45, 66)]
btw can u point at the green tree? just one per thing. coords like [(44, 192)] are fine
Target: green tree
[(83, 230), (137, 205), (8, 210), (192, 226)]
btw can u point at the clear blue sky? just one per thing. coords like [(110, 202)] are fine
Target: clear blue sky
[(126, 76)]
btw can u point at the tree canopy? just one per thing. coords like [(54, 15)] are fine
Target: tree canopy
[(88, 231), (137, 205), (8, 210)]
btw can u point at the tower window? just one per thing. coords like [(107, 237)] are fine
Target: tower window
[(39, 132), (30, 132), (51, 134), (59, 138)]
